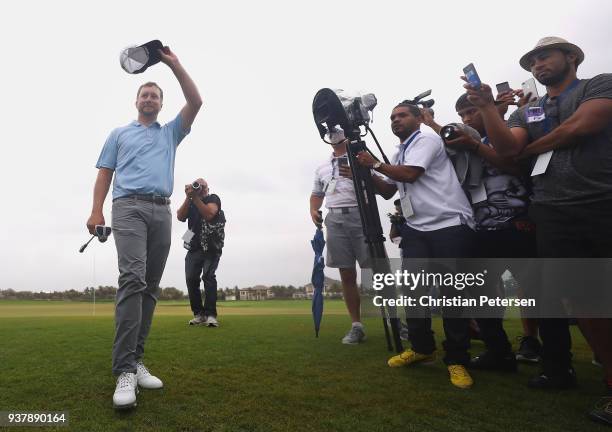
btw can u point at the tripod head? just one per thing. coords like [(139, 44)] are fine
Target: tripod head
[(334, 108)]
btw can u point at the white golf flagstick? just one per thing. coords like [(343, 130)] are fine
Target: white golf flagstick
[(94, 284)]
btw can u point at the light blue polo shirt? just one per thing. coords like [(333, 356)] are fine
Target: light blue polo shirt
[(142, 157)]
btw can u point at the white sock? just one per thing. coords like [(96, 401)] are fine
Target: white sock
[(357, 324)]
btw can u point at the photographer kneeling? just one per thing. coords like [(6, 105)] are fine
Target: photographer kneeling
[(204, 242)]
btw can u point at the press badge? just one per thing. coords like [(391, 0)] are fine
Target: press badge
[(541, 163), (407, 210), (331, 186), (188, 236), (535, 114)]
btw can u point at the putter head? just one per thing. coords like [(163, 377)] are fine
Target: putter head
[(102, 232)]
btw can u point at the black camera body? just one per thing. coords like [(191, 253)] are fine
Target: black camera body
[(452, 131), (448, 132), (396, 219)]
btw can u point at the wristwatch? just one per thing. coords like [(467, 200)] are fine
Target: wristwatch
[(377, 165)]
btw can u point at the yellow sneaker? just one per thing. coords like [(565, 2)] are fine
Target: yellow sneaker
[(460, 377), (409, 357)]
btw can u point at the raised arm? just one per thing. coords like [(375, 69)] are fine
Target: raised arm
[(507, 142), (465, 141), (190, 91), (590, 118), (207, 211), (183, 211), (400, 173)]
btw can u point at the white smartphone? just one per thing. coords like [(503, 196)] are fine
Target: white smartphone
[(529, 86)]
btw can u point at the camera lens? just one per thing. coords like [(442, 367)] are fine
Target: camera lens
[(448, 132), (195, 185)]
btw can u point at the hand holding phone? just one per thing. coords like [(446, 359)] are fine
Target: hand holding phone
[(503, 87), (472, 76), (529, 87)]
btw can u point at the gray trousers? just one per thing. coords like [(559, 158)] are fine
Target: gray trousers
[(142, 235)]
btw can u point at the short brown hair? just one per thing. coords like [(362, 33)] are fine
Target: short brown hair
[(150, 84)]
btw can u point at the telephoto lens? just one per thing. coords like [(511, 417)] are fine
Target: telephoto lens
[(448, 132), (195, 185)]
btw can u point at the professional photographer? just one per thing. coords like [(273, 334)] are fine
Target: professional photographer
[(345, 239), (499, 204), (567, 133), (500, 200), (438, 225), (204, 241)]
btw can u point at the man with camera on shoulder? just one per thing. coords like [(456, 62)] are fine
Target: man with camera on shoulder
[(204, 241)]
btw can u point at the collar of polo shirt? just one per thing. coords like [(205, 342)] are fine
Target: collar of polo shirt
[(155, 123)]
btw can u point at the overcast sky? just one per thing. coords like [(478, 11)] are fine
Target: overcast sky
[(258, 66)]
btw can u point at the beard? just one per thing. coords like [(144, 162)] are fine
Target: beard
[(556, 78), (148, 111)]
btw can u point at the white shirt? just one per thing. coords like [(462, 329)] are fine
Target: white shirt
[(436, 196), (344, 191)]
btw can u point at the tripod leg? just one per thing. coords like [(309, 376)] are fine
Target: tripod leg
[(386, 327), (395, 329)]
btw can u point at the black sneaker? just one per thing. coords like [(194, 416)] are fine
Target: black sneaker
[(602, 412), (529, 349), (489, 361), (546, 381)]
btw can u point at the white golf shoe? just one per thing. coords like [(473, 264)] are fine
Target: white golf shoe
[(145, 379), (125, 392), (211, 321), (197, 320)]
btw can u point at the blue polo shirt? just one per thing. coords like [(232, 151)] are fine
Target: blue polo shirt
[(142, 157)]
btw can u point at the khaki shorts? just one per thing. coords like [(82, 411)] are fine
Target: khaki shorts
[(345, 241)]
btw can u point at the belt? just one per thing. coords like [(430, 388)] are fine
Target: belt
[(156, 199), (343, 210)]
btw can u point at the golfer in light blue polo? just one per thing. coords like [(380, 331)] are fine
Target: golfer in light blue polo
[(141, 156)]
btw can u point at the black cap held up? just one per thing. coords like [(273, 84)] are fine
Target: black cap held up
[(137, 59)]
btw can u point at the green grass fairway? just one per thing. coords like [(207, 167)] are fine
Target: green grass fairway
[(263, 370), (40, 308)]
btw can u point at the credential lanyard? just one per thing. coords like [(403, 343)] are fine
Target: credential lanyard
[(400, 161), (405, 145)]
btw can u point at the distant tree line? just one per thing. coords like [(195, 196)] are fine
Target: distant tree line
[(102, 293), (169, 293)]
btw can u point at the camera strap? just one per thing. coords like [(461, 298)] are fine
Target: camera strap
[(407, 209)]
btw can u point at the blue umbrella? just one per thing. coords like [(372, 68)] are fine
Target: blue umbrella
[(318, 278)]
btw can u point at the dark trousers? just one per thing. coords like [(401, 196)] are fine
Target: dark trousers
[(451, 242), (199, 263), (502, 243), (572, 231)]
